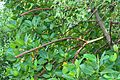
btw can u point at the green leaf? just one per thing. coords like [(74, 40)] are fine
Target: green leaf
[(65, 70), (115, 48), (118, 77), (87, 69), (45, 36), (77, 63), (106, 76), (67, 77), (28, 23), (42, 61), (43, 54), (35, 64), (10, 55), (32, 78), (90, 57), (78, 72), (108, 0), (51, 26), (61, 52), (46, 76), (113, 57), (107, 70), (59, 73), (72, 73), (15, 73), (36, 20), (49, 66), (104, 58)]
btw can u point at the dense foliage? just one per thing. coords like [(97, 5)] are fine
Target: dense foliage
[(81, 53)]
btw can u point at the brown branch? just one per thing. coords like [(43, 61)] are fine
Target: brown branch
[(33, 49), (102, 26), (37, 9), (78, 51), (115, 22), (110, 30)]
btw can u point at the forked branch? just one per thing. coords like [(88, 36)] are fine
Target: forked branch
[(88, 42)]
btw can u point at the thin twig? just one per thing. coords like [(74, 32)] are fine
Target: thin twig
[(78, 51), (37, 9), (33, 49)]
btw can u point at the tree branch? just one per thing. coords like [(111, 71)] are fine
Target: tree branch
[(106, 34), (37, 9), (33, 49), (88, 42)]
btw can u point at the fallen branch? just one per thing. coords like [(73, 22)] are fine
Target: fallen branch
[(33, 49), (37, 9), (88, 42)]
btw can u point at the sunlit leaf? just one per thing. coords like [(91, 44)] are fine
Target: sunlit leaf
[(49, 67)]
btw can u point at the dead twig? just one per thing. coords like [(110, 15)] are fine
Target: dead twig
[(37, 9)]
